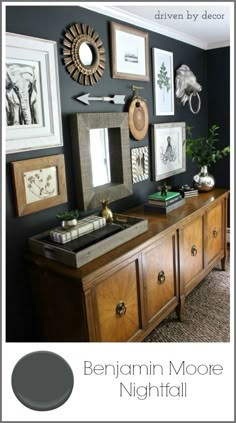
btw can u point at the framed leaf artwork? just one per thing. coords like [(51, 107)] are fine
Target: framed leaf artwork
[(163, 79)]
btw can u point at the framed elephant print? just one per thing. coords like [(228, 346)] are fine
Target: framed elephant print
[(33, 112)]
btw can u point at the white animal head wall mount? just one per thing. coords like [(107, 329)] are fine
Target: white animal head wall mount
[(187, 86)]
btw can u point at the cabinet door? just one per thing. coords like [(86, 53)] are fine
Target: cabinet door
[(159, 271), (117, 303), (191, 250), (214, 232)]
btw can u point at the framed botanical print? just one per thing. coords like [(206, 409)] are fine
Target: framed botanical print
[(33, 112), (39, 183), (130, 53), (169, 149), (140, 164), (163, 80)]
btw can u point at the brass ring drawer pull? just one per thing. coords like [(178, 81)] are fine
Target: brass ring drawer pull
[(121, 309), (161, 277), (194, 250), (215, 232)]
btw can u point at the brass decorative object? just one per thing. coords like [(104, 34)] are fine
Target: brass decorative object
[(161, 277), (194, 250), (164, 189), (84, 54), (121, 308), (106, 212)]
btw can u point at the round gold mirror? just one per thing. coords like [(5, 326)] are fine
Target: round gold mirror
[(84, 54)]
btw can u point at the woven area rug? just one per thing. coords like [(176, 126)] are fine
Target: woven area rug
[(206, 313)]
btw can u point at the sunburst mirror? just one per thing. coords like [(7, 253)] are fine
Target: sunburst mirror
[(84, 54)]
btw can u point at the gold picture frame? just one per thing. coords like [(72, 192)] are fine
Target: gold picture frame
[(39, 183), (130, 53)]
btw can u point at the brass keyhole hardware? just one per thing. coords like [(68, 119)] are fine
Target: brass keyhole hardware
[(121, 308), (161, 277), (194, 250), (215, 232)]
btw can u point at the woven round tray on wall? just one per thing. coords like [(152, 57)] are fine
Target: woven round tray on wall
[(138, 118)]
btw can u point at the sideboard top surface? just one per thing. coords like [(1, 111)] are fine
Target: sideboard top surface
[(159, 225)]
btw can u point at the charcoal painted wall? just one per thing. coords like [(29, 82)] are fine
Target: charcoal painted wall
[(218, 83), (50, 23)]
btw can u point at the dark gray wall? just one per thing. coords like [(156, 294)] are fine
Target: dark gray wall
[(218, 83), (50, 23)]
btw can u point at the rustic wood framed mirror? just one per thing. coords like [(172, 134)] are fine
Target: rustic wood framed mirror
[(84, 54), (101, 156)]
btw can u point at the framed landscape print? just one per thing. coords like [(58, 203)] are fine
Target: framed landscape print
[(39, 183), (163, 80), (33, 112), (140, 164), (130, 53), (169, 149)]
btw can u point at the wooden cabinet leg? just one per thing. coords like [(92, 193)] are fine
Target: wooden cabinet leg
[(180, 308), (223, 263)]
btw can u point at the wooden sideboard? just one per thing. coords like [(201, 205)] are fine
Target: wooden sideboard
[(122, 295)]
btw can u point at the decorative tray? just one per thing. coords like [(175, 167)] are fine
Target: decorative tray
[(82, 250)]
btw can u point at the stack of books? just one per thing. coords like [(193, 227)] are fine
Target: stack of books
[(164, 204), (187, 191), (84, 226)]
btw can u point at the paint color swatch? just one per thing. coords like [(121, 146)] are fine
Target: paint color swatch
[(42, 380)]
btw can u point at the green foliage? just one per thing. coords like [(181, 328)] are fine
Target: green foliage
[(68, 215), (163, 80), (202, 150)]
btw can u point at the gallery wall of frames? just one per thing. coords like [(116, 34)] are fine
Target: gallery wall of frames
[(114, 80)]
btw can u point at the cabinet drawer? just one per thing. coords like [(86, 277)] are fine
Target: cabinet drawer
[(159, 270), (191, 250), (214, 232), (117, 317)]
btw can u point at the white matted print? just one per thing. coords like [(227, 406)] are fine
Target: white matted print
[(33, 113), (130, 53), (169, 149), (40, 184), (140, 164), (163, 80)]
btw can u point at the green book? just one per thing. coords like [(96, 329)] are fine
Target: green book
[(157, 196)]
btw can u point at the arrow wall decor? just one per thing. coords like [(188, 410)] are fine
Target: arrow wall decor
[(116, 99)]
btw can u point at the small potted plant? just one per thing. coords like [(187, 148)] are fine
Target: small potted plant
[(203, 152), (68, 218)]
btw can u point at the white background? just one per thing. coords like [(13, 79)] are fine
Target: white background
[(97, 398)]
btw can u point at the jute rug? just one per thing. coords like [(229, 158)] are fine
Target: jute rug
[(206, 313)]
